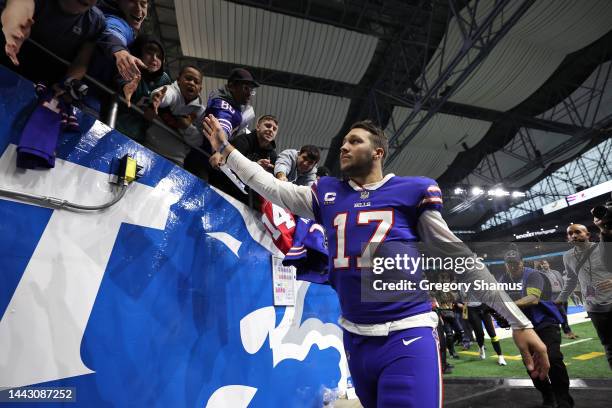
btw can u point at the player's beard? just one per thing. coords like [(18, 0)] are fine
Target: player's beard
[(360, 167)]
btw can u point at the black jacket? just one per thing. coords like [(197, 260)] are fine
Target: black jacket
[(248, 145)]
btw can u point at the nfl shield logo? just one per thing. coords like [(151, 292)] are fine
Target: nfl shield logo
[(365, 194)]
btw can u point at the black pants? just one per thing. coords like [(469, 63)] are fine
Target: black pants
[(452, 330), (565, 325), (465, 326), (442, 343), (603, 325), (559, 380), (478, 316)]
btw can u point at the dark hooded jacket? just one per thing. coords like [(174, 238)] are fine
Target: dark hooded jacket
[(130, 122)]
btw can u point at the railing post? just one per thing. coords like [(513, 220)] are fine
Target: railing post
[(112, 112)]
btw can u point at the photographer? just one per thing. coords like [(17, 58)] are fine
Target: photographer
[(591, 264), (556, 284)]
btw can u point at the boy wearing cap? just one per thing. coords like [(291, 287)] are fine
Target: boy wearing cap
[(534, 299)]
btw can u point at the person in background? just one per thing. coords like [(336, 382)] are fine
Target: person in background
[(231, 106), (556, 283), (479, 316), (534, 299), (151, 51), (179, 106), (259, 147), (298, 167), (591, 264), (124, 20), (322, 171), (68, 28), (446, 305)]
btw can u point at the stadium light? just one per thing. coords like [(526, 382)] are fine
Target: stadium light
[(459, 190), (516, 194), (477, 191), (498, 192)]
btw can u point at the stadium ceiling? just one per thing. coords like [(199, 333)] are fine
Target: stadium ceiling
[(489, 92)]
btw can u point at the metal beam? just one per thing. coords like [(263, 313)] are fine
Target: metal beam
[(599, 131), (271, 77), (488, 115), (365, 17), (546, 102), (582, 172), (482, 39)]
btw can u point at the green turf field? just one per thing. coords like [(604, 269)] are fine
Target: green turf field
[(584, 359)]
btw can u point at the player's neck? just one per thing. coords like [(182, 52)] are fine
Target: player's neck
[(372, 177)]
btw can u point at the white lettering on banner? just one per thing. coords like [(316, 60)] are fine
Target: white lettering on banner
[(45, 320), (235, 396), (232, 243), (290, 339)]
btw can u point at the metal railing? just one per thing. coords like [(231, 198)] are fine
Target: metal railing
[(113, 108), (115, 97)]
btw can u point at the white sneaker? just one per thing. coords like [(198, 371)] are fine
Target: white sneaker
[(482, 353), (501, 361)]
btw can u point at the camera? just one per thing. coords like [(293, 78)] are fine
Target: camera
[(604, 213)]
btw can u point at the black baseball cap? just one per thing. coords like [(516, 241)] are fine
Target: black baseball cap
[(242, 75)]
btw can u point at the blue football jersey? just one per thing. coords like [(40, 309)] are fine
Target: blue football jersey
[(229, 116), (309, 252), (355, 217)]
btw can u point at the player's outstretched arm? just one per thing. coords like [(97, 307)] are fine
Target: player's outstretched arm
[(297, 199), (434, 231)]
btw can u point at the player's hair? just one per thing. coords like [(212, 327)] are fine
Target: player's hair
[(312, 152), (267, 117), (377, 136)]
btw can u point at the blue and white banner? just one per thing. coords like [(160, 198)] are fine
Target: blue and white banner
[(164, 299)]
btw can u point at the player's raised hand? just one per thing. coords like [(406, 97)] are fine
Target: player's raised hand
[(213, 132), (216, 160), (533, 350)]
